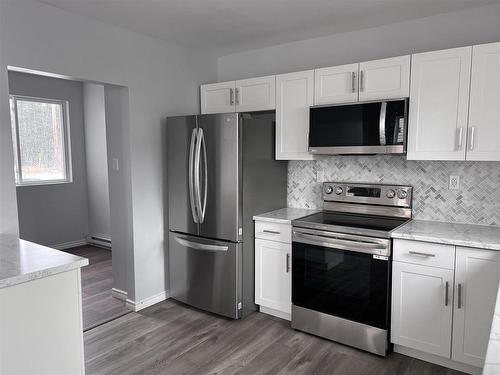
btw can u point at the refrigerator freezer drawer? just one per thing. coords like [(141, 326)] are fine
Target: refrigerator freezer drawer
[(206, 274)]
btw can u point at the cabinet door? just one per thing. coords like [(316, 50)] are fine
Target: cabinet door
[(484, 110), (439, 99), (294, 96), (421, 314), (384, 79), (477, 275), (273, 287), (337, 84), (255, 94), (217, 97)]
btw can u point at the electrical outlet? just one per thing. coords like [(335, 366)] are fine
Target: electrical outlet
[(454, 183)]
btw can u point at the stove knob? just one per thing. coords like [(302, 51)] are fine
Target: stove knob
[(339, 190), (402, 194), (328, 189), (390, 194)]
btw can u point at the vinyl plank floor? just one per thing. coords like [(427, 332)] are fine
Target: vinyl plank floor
[(172, 338), (97, 280)]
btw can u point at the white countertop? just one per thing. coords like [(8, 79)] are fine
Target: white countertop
[(492, 362), (22, 261), (481, 236), (285, 215)]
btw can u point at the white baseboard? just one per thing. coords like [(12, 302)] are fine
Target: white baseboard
[(69, 245), (441, 361), (139, 305), (119, 294), (274, 312)]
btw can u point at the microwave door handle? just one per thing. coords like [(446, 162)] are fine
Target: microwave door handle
[(382, 119)]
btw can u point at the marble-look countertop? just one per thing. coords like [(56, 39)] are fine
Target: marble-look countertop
[(481, 236), (492, 362), (285, 215), (22, 261)]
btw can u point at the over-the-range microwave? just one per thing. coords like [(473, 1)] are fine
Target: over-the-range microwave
[(359, 128)]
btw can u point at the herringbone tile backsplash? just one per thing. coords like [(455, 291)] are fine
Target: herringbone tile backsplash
[(477, 201)]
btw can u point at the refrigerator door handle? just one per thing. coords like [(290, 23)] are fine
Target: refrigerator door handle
[(200, 246), (197, 192), (205, 177), (191, 171)]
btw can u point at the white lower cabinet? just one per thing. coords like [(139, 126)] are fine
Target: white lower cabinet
[(477, 276), (421, 313), (273, 282), (444, 310)]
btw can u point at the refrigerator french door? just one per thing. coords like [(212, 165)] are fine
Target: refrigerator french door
[(204, 187)]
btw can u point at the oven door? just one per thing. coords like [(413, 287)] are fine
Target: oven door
[(347, 276)]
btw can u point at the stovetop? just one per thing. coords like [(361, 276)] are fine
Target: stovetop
[(362, 224)]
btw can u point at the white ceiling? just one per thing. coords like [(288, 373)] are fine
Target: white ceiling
[(235, 25)]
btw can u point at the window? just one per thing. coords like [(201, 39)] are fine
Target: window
[(40, 135)]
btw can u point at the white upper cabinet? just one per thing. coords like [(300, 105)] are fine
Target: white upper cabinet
[(255, 94), (477, 275), (422, 307), (484, 111), (338, 84), (217, 97), (244, 95), (384, 79), (439, 100), (294, 96)]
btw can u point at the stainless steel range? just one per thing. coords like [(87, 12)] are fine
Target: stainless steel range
[(341, 264)]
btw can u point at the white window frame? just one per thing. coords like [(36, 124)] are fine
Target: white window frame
[(66, 140)]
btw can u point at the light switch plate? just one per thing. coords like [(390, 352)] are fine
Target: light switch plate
[(116, 165), (454, 183)]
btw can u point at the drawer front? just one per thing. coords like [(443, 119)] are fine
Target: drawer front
[(268, 230), (425, 253)]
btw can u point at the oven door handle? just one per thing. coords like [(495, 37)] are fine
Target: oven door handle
[(335, 243)]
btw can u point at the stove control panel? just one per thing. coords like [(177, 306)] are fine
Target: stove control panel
[(385, 195)]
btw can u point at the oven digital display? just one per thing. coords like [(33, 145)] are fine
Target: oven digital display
[(359, 191)]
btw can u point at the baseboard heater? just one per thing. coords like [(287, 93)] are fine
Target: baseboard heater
[(99, 241)]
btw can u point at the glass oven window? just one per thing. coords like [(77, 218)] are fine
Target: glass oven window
[(346, 284)]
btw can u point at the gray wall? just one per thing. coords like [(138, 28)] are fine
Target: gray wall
[(478, 25), (96, 161), (162, 79), (117, 140), (55, 214)]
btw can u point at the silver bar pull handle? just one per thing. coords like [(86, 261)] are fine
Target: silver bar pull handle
[(361, 80), (460, 138), (231, 97), (472, 136), (446, 292), (287, 262), (270, 231), (237, 95), (197, 182), (205, 177), (383, 113), (418, 253), (191, 175), (353, 81), (459, 304), (200, 246)]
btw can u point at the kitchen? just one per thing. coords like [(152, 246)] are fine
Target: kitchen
[(430, 106)]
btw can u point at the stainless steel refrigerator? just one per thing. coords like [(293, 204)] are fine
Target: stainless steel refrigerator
[(221, 172)]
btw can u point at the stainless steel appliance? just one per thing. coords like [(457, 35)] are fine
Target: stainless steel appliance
[(359, 128), (221, 171), (341, 264)]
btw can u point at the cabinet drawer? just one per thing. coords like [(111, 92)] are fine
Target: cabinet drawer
[(268, 230), (425, 253)]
